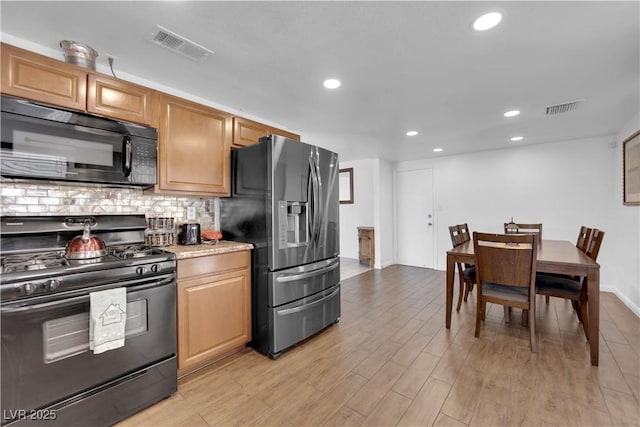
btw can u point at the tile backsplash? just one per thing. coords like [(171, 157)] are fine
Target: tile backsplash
[(34, 198)]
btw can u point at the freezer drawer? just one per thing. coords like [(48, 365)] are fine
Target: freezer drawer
[(299, 282), (292, 323)]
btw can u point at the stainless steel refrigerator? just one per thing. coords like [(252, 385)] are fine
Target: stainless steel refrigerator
[(284, 200)]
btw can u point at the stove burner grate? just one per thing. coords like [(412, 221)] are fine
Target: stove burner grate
[(29, 262)]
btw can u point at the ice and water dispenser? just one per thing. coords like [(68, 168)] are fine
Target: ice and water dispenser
[(293, 224)]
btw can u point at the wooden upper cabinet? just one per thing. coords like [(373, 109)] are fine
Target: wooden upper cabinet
[(194, 144), (42, 79), (119, 99), (247, 132), (29, 75)]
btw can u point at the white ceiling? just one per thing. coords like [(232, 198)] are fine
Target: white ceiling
[(403, 65)]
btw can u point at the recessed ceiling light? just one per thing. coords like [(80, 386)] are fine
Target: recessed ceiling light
[(412, 133), (512, 113), (331, 83), (437, 150), (487, 21), (516, 138)]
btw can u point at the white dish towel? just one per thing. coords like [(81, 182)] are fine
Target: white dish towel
[(107, 319)]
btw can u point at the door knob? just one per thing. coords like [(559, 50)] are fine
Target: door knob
[(430, 224)]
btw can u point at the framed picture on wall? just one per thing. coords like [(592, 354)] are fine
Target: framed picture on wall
[(345, 182), (631, 169)]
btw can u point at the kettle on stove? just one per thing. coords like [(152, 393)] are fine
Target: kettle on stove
[(189, 234)]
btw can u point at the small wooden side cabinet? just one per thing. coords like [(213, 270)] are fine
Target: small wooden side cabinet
[(366, 252), (214, 308)]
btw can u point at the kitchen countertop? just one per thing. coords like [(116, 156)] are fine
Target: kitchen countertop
[(222, 247)]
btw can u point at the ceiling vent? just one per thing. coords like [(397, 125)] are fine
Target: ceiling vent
[(562, 108), (181, 45)]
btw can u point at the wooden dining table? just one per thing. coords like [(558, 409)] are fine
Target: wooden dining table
[(554, 256)]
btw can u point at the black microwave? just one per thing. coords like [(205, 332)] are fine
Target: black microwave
[(44, 142)]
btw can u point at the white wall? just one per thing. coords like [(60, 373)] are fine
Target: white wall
[(563, 185), (383, 213), (627, 271), (361, 212)]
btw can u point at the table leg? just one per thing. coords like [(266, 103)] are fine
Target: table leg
[(451, 267), (593, 285)]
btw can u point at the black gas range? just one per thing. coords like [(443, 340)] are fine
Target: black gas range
[(48, 368), (33, 259)]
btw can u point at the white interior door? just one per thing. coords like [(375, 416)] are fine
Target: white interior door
[(414, 218)]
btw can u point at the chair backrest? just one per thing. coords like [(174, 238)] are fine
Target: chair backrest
[(521, 228), (506, 259), (583, 238), (593, 244), (459, 234)]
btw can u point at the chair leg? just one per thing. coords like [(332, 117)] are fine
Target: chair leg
[(546, 299), (479, 316), (460, 293), (532, 328), (468, 289), (525, 317), (576, 308), (507, 310), (584, 313)]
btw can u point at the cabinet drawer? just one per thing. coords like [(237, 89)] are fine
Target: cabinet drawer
[(213, 264)]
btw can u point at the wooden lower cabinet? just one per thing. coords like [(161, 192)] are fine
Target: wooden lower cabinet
[(214, 308), (366, 252)]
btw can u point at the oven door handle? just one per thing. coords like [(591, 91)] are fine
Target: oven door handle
[(22, 307)]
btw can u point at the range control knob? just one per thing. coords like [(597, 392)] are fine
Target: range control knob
[(29, 288), (155, 268), (140, 271), (52, 284)]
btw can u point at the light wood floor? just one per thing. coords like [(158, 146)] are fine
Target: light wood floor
[(390, 361)]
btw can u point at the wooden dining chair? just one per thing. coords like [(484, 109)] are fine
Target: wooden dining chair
[(572, 288), (583, 241), (506, 274), (467, 272), (583, 238), (519, 228)]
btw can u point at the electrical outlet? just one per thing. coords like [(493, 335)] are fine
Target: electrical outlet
[(191, 213)]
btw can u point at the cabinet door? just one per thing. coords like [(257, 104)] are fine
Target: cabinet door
[(194, 144), (119, 99), (214, 317), (247, 132), (285, 133), (29, 75)]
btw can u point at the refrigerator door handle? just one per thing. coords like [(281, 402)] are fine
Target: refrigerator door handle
[(316, 199), (311, 222), (319, 212), (306, 274), (308, 305)]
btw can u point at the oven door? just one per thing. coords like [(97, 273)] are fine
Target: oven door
[(37, 148), (45, 345)]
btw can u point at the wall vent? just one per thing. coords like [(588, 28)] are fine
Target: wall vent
[(562, 108), (181, 45)]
